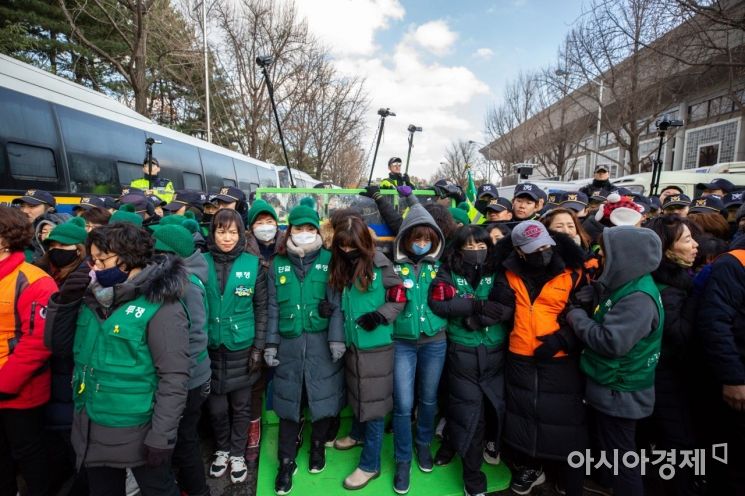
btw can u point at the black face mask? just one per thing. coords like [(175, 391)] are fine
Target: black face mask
[(539, 258), (474, 257), (62, 258), (352, 257)]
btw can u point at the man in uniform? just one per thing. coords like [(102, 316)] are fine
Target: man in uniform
[(151, 183), (395, 178)]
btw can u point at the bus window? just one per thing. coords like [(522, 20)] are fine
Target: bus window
[(192, 181), (248, 177), (218, 168), (27, 119), (228, 182), (128, 172), (176, 158), (91, 174), (267, 177), (31, 163)]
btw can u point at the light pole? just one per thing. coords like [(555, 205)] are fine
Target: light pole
[(599, 82), (208, 122)]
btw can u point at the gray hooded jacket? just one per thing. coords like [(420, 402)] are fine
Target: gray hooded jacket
[(418, 216), (195, 300), (629, 252)]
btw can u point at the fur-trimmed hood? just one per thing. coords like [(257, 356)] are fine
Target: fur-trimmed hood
[(163, 280), (570, 255)]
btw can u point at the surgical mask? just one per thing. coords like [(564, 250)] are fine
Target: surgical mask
[(265, 232), (539, 258), (303, 238), (62, 258), (420, 250), (474, 257), (111, 277)]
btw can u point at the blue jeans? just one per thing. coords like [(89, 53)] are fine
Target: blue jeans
[(371, 432), (423, 363)]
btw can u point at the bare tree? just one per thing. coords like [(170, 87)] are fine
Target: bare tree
[(459, 155)]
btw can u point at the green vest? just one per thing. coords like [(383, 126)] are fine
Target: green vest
[(635, 370), (489, 336), (114, 378), (298, 300), (231, 314), (417, 317), (355, 303)]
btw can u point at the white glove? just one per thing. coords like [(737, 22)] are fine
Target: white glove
[(270, 356)]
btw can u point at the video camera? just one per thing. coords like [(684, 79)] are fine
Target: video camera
[(386, 112)]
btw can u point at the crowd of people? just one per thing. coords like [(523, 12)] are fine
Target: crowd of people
[(533, 328)]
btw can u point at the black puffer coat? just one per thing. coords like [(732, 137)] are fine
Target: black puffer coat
[(545, 414)]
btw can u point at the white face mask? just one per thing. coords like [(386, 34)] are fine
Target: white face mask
[(303, 238), (265, 232)]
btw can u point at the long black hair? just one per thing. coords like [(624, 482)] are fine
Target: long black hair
[(454, 255)]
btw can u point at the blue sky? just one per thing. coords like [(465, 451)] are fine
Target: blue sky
[(438, 64)]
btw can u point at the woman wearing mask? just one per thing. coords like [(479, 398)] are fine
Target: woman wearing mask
[(565, 221), (475, 300), (129, 335), (305, 343), (371, 296), (545, 418), (263, 240), (236, 297), (419, 342), (671, 425)]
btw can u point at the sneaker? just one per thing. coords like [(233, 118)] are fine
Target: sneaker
[(238, 469), (252, 446), (401, 477), (466, 493), (491, 455), (283, 482), (219, 464), (444, 455), (317, 457), (130, 484), (424, 458), (359, 479), (332, 432), (525, 479), (346, 443)]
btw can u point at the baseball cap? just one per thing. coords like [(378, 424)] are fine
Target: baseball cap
[(230, 194), (393, 160), (576, 201), (718, 183), (499, 205), (131, 191), (530, 235), (680, 200), (734, 199), (37, 197), (109, 202), (187, 198), (487, 189), (643, 202), (89, 202), (138, 201), (601, 167), (707, 204), (552, 199), (529, 189)]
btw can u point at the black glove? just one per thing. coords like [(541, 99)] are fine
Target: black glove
[(74, 286), (495, 311), (473, 323), (370, 321), (502, 293), (552, 343), (157, 457), (587, 297), (326, 309), (371, 191), (255, 360)]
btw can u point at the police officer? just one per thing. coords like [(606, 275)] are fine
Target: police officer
[(527, 202), (600, 182), (395, 178), (152, 183)]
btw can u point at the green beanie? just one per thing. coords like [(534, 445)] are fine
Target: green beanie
[(303, 214), (260, 207), (171, 220), (308, 202), (464, 206), (71, 232), (191, 225), (459, 216), (174, 239), (126, 213)]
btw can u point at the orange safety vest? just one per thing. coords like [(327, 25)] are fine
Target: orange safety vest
[(10, 326), (540, 317)]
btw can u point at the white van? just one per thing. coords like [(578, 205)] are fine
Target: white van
[(640, 183), (547, 186)]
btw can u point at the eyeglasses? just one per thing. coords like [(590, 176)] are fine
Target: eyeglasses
[(94, 262)]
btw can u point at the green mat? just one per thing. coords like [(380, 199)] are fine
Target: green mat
[(443, 481)]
